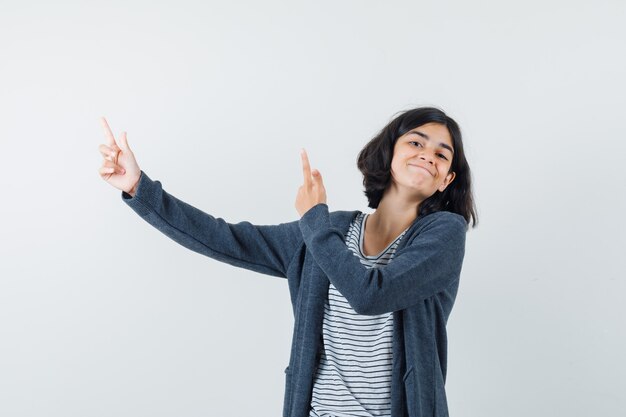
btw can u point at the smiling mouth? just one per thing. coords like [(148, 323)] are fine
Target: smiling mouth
[(417, 166)]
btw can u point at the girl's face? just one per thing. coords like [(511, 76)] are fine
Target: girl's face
[(422, 158)]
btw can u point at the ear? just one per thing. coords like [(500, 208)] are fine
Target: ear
[(449, 178)]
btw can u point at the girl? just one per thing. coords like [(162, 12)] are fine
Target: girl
[(371, 293)]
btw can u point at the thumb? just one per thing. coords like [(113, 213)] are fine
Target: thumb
[(317, 175)]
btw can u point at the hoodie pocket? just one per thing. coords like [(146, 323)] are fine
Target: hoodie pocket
[(441, 402), (288, 389), (409, 389)]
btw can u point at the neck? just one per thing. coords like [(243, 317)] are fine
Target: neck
[(394, 213)]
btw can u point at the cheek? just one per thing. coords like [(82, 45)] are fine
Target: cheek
[(444, 176), (396, 163), (400, 156), (396, 167)]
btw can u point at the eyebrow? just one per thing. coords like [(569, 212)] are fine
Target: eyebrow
[(425, 136)]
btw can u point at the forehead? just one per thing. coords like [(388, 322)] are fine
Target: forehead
[(435, 132)]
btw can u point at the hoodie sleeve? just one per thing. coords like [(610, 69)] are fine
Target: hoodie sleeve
[(427, 265), (267, 249)]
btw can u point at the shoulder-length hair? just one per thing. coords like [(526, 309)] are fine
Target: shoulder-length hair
[(374, 162)]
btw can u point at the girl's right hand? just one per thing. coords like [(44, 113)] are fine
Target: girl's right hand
[(119, 167)]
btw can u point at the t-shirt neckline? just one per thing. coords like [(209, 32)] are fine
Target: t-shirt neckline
[(362, 235)]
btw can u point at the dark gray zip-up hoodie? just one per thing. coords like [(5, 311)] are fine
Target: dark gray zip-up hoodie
[(419, 286)]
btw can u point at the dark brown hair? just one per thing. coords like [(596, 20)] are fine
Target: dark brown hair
[(374, 162)]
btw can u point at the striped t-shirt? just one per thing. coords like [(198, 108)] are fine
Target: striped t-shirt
[(353, 377)]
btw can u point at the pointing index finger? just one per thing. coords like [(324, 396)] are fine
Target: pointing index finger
[(107, 132), (306, 168)]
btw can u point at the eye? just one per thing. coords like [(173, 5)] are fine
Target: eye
[(439, 154)]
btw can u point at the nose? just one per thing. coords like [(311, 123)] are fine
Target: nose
[(427, 156)]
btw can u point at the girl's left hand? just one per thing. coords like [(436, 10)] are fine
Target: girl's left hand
[(312, 192)]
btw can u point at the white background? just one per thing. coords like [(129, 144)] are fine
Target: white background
[(101, 315)]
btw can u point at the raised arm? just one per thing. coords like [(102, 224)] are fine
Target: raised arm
[(267, 249), (427, 265)]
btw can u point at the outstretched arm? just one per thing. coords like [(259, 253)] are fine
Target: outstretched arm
[(428, 264), (267, 249)]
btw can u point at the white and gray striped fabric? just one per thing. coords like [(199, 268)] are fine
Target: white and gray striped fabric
[(353, 377)]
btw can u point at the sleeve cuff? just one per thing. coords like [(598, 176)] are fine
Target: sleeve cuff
[(147, 194), (314, 220)]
